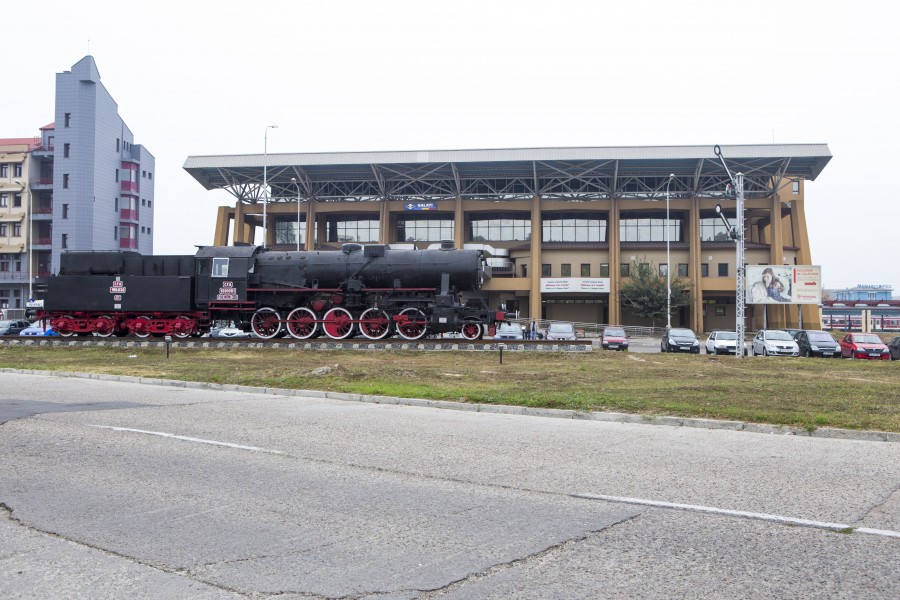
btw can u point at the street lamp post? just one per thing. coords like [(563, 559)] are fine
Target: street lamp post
[(294, 181), (28, 232), (265, 180), (668, 260)]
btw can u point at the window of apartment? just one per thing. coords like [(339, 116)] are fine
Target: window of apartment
[(66, 148), (704, 270), (795, 187), (18, 267), (663, 270), (149, 203), (4, 200), (17, 229), (117, 144), (4, 229), (65, 180), (499, 229), (604, 269), (65, 211), (144, 174), (143, 202), (17, 200), (563, 227), (149, 175), (67, 119), (585, 270), (342, 229), (4, 170), (4, 265), (723, 269), (546, 271), (682, 270), (116, 233), (117, 175), (65, 240), (143, 229), (625, 270), (116, 205), (649, 230), (424, 229), (17, 170), (565, 270), (148, 229), (524, 270)]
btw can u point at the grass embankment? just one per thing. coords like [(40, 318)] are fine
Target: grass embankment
[(806, 393)]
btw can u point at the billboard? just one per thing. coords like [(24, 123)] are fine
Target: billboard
[(558, 285), (783, 284)]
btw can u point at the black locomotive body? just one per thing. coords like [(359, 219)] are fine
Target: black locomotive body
[(372, 290)]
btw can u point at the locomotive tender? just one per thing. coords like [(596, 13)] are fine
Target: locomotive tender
[(371, 290)]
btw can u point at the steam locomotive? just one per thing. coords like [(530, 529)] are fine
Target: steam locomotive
[(372, 290)]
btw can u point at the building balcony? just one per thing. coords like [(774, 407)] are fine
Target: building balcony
[(13, 277), (128, 243), (128, 214), (42, 243), (44, 183)]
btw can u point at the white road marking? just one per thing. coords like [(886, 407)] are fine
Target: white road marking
[(744, 515), (191, 439)]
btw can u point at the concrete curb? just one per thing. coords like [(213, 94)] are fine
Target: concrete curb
[(554, 413)]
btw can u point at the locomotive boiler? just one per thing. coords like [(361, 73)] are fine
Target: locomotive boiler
[(370, 290)]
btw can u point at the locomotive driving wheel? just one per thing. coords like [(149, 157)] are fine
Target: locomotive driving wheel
[(301, 323), (338, 323), (413, 324), (182, 326), (65, 326), (140, 327), (471, 331), (104, 326), (266, 323), (375, 324)]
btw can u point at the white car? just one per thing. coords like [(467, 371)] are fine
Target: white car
[(228, 332), (509, 331), (774, 342), (721, 342)]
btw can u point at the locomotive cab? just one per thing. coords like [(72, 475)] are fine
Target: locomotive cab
[(222, 274)]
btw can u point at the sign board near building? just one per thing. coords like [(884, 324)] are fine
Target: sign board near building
[(783, 284), (561, 285), (420, 206)]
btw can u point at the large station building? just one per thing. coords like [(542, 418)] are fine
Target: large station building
[(562, 227)]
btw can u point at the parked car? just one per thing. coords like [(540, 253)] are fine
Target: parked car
[(560, 331), (894, 348), (228, 332), (864, 345), (679, 339), (509, 331), (37, 328), (791, 331), (817, 343), (774, 342), (721, 342), (12, 327), (614, 338)]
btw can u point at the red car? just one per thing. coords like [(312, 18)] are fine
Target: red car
[(864, 345)]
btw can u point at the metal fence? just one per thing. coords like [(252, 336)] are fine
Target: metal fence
[(595, 330)]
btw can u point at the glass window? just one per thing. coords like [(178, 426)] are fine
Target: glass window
[(286, 232), (545, 271), (663, 270), (566, 270), (499, 229), (220, 267), (625, 270), (649, 230), (604, 269), (424, 229), (17, 200), (352, 229), (572, 228), (723, 269), (682, 270), (585, 269), (17, 170), (714, 230), (795, 187), (704, 270)]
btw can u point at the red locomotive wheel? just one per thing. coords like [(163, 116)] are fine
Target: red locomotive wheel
[(301, 323), (182, 326), (413, 324), (141, 327), (266, 323), (338, 323), (65, 326), (104, 326), (374, 324), (472, 331)]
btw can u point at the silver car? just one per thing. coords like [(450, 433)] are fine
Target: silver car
[(721, 342), (774, 342), (561, 331)]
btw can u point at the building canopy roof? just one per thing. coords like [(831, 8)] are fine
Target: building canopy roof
[(564, 173)]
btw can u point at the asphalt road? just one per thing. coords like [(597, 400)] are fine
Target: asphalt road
[(117, 490)]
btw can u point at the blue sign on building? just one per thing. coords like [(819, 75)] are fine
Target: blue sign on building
[(420, 206)]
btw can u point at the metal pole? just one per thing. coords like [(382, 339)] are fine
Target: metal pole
[(265, 180), (739, 291), (668, 261), (294, 181), (28, 220)]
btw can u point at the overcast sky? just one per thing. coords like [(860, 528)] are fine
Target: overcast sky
[(202, 77)]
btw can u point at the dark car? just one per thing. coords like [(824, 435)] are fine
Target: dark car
[(12, 327), (894, 348), (614, 338), (678, 339), (817, 343), (864, 345)]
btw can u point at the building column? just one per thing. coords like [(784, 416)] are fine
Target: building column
[(612, 234), (223, 219), (459, 224), (811, 313), (694, 260), (310, 242), (535, 300), (384, 218), (237, 228)]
